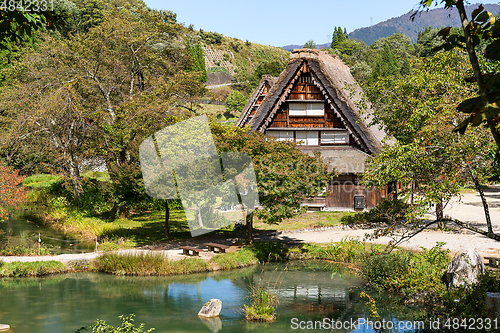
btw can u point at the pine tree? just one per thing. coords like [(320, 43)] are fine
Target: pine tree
[(338, 36), (386, 64)]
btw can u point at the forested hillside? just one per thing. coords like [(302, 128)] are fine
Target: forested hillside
[(434, 18)]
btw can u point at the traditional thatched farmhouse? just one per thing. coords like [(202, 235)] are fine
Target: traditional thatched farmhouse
[(311, 103)]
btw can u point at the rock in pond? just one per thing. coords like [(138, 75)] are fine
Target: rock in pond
[(211, 308), (464, 269), (4, 327)]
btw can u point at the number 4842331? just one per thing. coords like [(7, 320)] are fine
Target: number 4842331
[(27, 5)]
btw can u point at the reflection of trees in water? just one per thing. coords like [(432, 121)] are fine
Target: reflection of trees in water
[(310, 288)]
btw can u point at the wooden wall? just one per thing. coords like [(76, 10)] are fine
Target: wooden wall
[(342, 191)]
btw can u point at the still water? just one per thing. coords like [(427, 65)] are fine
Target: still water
[(307, 291), (19, 229)]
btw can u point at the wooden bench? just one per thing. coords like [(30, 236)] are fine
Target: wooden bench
[(186, 249), (212, 246), (492, 261)]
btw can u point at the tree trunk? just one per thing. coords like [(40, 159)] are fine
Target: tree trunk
[(477, 70), (485, 203), (439, 214), (198, 214), (249, 228), (167, 219), (74, 175)]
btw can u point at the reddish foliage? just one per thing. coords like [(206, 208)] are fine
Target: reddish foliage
[(11, 193)]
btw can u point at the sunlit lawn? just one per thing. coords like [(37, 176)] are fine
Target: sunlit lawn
[(306, 220)]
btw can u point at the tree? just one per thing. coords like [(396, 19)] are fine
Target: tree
[(12, 193), (197, 59), (338, 37), (485, 108), (285, 175), (386, 64), (273, 68), (418, 110), (127, 76), (310, 44), (235, 102)]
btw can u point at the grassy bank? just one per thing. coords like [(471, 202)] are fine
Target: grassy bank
[(158, 264), (37, 268)]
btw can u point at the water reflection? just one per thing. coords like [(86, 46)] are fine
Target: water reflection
[(170, 304)]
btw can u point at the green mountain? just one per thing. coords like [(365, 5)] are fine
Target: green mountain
[(435, 18)]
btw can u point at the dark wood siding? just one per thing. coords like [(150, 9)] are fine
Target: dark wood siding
[(343, 190)]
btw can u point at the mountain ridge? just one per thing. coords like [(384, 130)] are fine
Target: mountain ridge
[(436, 18)]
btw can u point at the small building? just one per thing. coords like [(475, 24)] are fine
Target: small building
[(312, 104)]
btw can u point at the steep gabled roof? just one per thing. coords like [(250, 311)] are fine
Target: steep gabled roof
[(336, 83), (267, 80)]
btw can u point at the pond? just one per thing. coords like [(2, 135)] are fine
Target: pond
[(307, 291), (19, 229)]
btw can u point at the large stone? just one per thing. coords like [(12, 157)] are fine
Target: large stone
[(4, 327), (464, 269), (211, 309)]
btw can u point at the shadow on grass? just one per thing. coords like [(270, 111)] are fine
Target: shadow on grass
[(149, 228)]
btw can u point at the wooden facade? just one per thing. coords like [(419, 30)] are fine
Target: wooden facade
[(309, 105)]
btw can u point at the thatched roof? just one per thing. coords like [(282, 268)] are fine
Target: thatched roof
[(267, 80), (335, 81)]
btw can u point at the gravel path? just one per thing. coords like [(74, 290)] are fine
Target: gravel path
[(468, 209)]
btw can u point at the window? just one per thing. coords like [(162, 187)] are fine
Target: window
[(309, 138), (307, 109), (334, 137), (281, 135)]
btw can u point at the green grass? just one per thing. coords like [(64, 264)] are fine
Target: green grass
[(41, 180), (37, 268), (243, 258), (159, 264), (304, 221), (262, 306)]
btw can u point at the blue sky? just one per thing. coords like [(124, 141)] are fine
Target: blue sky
[(278, 22)]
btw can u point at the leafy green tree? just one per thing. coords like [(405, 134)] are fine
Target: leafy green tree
[(419, 111), (235, 102), (273, 68), (310, 44), (386, 64), (125, 77), (485, 108), (338, 37), (198, 61), (285, 175)]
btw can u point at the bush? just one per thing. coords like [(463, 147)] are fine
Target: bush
[(405, 272), (235, 102), (269, 251), (127, 326)]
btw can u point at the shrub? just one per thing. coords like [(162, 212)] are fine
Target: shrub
[(406, 272), (269, 251), (127, 326), (235, 102)]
